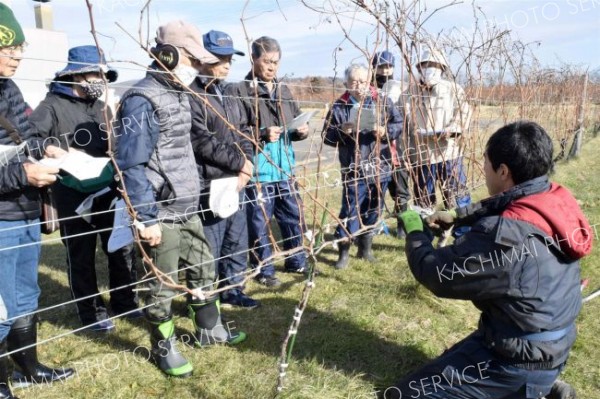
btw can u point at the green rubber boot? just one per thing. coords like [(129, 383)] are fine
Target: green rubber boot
[(165, 353), (210, 330)]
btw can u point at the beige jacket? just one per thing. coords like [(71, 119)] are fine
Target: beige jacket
[(437, 118)]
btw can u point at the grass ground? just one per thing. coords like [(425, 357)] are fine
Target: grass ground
[(364, 328)]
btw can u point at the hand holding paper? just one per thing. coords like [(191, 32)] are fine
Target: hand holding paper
[(79, 164), (273, 133), (40, 175)]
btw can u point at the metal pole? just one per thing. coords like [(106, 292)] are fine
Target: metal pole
[(578, 140)]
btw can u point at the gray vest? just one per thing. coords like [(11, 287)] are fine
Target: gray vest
[(172, 168)]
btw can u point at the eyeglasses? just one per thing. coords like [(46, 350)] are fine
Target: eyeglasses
[(356, 83), (13, 50)]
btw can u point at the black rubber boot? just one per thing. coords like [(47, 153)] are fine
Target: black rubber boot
[(210, 330), (344, 255), (561, 390), (365, 251), (164, 350), (400, 230), (28, 370), (5, 392)]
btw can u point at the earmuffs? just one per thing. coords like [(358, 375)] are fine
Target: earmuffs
[(167, 54)]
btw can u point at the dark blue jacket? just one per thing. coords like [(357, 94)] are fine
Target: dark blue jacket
[(220, 151), (518, 264), (140, 143), (18, 200), (374, 157)]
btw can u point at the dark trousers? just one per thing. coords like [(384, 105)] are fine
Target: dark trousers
[(279, 199), (469, 370), (228, 239), (398, 188), (79, 238), (362, 204)]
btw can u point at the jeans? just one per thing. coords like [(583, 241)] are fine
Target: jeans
[(452, 178), (228, 240), (279, 199), (469, 370), (19, 269), (366, 196)]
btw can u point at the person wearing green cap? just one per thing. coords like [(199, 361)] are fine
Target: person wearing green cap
[(19, 222)]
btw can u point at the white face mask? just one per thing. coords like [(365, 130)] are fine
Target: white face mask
[(431, 76), (185, 73)]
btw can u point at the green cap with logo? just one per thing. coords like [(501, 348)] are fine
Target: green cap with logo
[(11, 33)]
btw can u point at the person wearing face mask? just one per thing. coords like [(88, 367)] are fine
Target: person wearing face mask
[(383, 63), (220, 137), (155, 153), (438, 119), (71, 115), (365, 158)]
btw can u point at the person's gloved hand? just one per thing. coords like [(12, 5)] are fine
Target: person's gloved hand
[(441, 220), (412, 221)]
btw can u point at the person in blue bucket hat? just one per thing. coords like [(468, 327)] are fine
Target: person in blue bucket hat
[(85, 59), (72, 116)]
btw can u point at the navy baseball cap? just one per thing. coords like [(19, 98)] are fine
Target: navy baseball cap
[(219, 43), (383, 58)]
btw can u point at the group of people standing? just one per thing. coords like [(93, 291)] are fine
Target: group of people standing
[(191, 130), (391, 132)]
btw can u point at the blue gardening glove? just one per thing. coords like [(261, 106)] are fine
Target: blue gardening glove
[(412, 221)]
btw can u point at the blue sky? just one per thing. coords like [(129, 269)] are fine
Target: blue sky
[(567, 30)]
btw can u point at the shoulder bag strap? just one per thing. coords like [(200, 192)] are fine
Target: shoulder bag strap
[(11, 130)]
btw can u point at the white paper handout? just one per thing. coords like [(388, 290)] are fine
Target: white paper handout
[(301, 120), (121, 234), (8, 152), (224, 198), (79, 164), (368, 118)]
